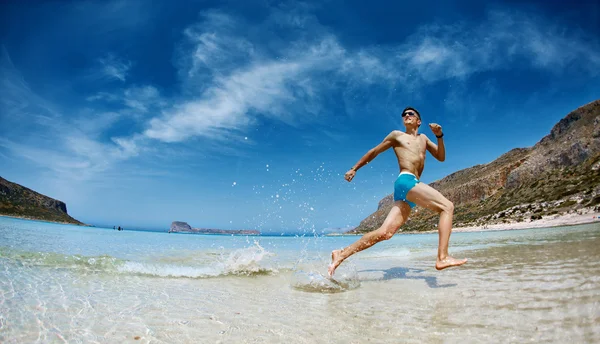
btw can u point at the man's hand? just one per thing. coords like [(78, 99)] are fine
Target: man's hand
[(436, 128), (349, 175)]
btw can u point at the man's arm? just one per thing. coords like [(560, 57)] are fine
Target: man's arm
[(375, 151), (371, 154), (438, 151)]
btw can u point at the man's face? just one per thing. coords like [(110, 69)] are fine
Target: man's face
[(411, 118)]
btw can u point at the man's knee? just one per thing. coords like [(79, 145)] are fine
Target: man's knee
[(448, 207), (445, 206), (388, 233)]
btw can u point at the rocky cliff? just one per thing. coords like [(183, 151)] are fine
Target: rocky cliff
[(184, 227), (180, 226), (559, 173), (17, 200)]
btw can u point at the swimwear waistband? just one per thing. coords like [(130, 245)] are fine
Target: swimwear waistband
[(404, 172)]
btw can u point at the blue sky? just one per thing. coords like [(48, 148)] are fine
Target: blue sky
[(246, 115)]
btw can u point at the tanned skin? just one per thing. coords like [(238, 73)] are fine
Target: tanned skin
[(410, 148)]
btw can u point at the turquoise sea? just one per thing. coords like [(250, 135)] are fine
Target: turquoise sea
[(70, 284)]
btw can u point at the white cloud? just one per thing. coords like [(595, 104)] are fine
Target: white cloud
[(498, 42), (18, 102), (243, 84), (113, 67), (230, 77), (242, 79), (136, 100), (142, 98), (216, 47), (68, 144), (76, 156), (127, 147), (94, 123), (102, 96)]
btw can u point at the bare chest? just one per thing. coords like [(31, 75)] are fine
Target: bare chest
[(416, 145)]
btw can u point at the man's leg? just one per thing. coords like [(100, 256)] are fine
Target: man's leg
[(396, 218), (428, 197)]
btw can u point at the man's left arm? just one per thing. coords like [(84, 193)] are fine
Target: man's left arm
[(438, 151)]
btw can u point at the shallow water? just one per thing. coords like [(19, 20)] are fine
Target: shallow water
[(61, 283)]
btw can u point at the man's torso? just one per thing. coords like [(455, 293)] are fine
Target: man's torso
[(410, 152)]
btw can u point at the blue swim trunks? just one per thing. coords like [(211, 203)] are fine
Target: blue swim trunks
[(402, 186)]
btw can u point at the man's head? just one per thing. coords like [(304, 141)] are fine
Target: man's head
[(411, 115)]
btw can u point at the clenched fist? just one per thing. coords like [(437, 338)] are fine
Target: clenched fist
[(436, 129), (349, 175)]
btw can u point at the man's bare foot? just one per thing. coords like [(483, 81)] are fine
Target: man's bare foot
[(335, 262), (448, 262)]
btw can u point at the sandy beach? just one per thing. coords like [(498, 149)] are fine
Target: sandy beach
[(547, 221), (556, 220)]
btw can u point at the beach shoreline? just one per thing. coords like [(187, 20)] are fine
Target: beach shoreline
[(556, 220), (42, 220)]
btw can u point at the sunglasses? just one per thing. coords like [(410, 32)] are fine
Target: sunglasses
[(409, 114)]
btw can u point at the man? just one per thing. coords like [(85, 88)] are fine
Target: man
[(410, 147)]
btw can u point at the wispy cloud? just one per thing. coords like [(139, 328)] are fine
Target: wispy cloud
[(112, 67), (215, 47), (231, 78), (18, 102), (36, 129), (74, 156), (243, 79), (234, 100), (138, 99), (239, 82), (142, 98), (503, 40)]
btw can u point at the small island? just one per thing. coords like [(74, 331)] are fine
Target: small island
[(184, 227)]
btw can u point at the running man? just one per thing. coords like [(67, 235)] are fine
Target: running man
[(410, 147)]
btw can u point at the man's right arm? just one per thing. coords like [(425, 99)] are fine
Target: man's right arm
[(373, 152)]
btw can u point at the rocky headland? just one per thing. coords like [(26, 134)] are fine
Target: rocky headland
[(19, 201), (184, 227), (559, 175)]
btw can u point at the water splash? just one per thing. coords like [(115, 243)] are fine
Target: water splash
[(315, 282), (247, 261)]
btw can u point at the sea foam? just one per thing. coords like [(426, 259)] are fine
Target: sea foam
[(241, 262)]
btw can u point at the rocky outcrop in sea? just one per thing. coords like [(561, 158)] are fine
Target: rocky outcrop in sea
[(184, 227)]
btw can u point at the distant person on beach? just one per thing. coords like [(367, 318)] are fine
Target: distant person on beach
[(410, 147)]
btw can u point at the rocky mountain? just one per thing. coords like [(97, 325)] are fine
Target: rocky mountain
[(183, 227), (560, 173), (17, 200)]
